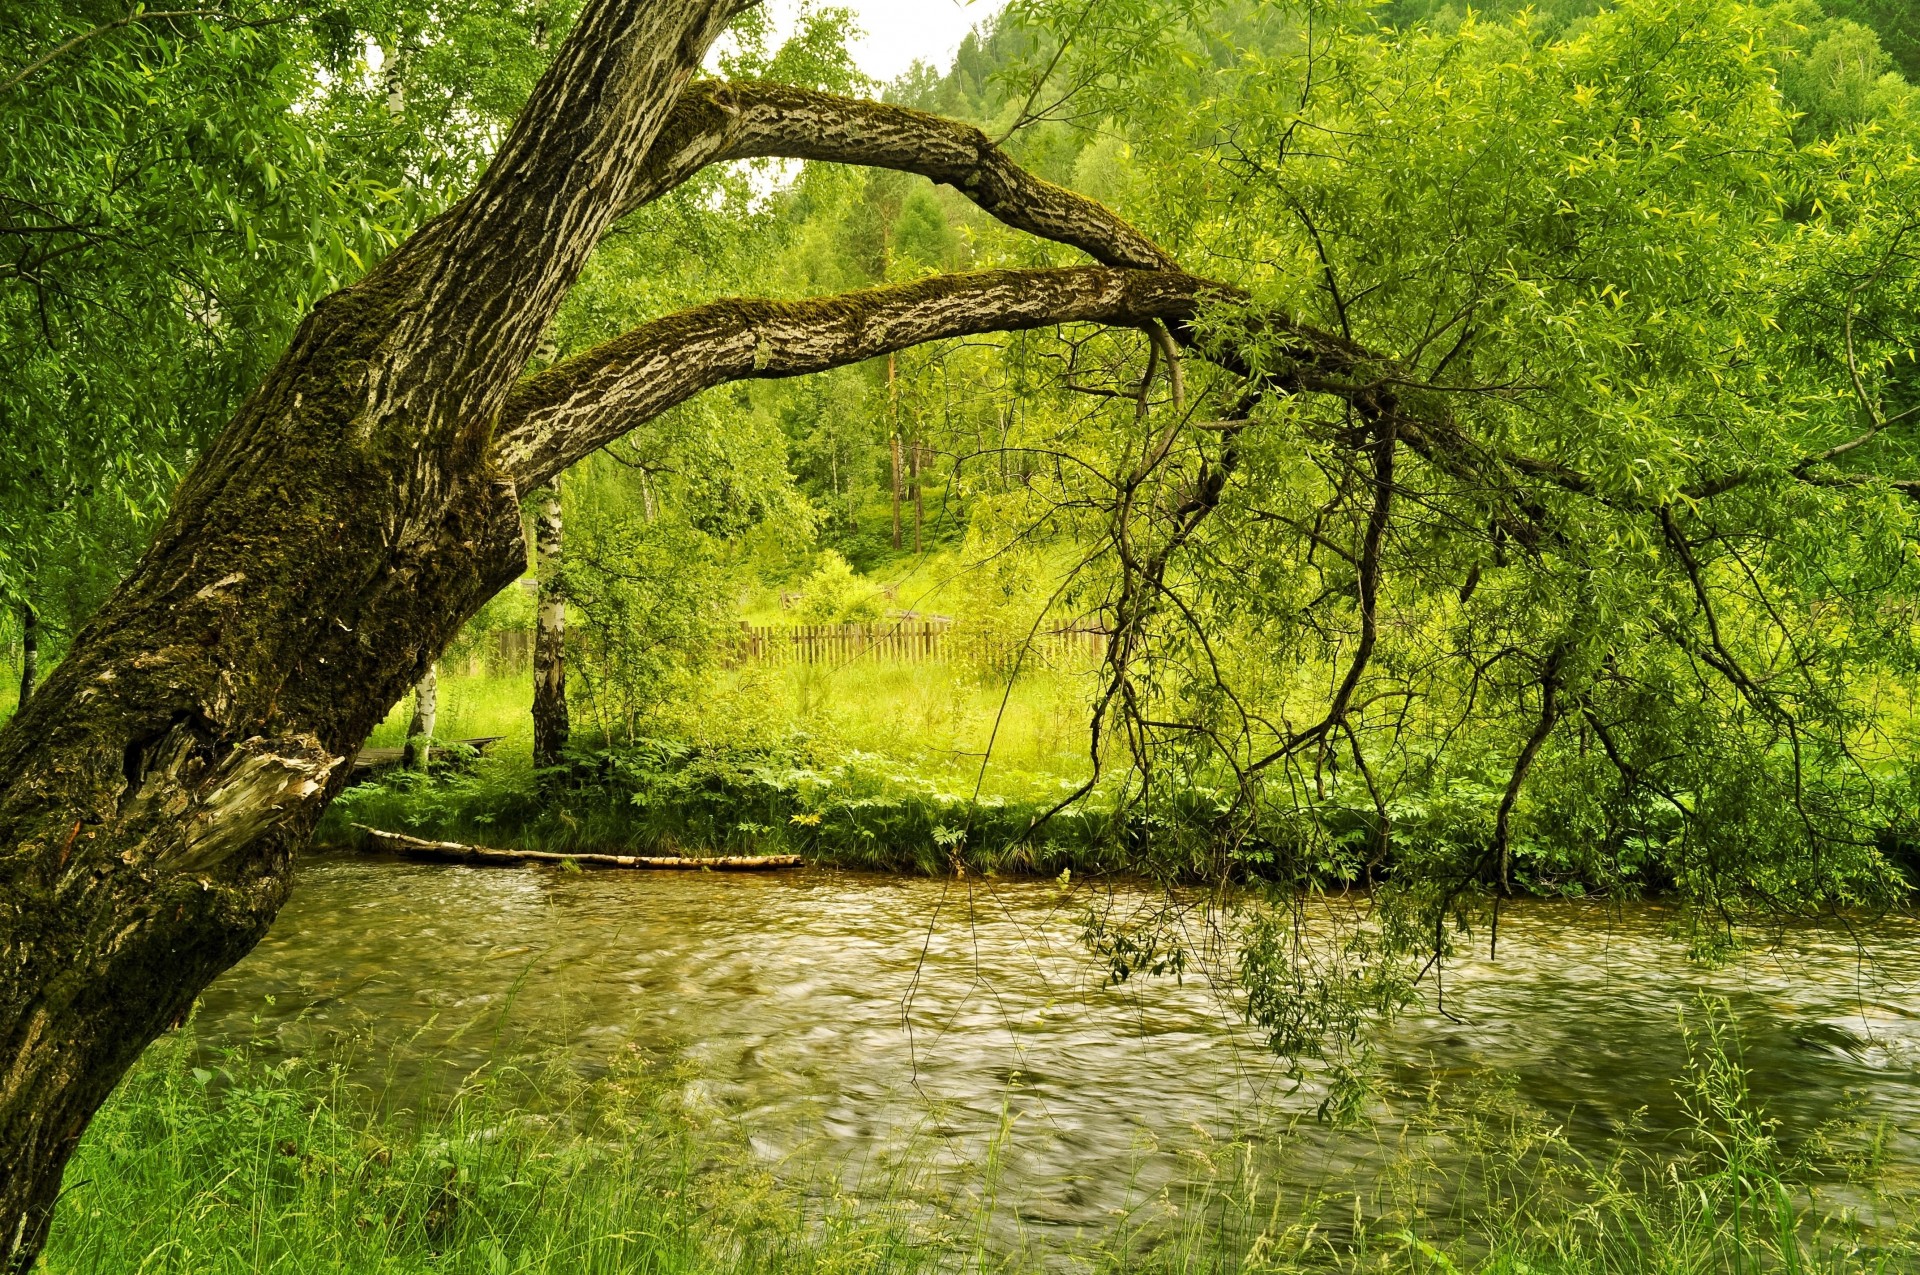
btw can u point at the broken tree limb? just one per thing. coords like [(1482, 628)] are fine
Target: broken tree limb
[(421, 848)]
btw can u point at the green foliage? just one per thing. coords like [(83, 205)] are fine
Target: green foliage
[(650, 595), (834, 595), (1619, 265), (178, 188)]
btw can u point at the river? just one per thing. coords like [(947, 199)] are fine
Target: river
[(873, 1023)]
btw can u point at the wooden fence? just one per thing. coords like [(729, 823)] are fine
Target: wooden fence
[(916, 641), (920, 641), (513, 648)]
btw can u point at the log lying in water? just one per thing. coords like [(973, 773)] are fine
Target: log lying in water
[(420, 848)]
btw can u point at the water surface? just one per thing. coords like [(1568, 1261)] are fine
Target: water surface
[(872, 1022)]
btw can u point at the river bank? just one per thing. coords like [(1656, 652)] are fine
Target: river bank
[(936, 1068)]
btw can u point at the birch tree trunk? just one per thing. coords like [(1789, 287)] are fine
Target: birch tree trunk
[(550, 725), (913, 480), (426, 711), (893, 443)]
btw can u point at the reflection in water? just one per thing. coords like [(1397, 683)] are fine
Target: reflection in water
[(847, 1017)]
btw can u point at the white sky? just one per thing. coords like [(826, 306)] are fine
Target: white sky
[(898, 31)]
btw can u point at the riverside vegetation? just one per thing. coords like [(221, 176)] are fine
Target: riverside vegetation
[(1486, 445), (228, 1164)]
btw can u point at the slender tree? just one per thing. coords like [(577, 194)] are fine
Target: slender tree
[(426, 712), (549, 641), (29, 652)]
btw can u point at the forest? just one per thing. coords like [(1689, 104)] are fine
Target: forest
[(1200, 636)]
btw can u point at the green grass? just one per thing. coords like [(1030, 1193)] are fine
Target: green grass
[(939, 718), (198, 1167), (867, 765), (250, 1168), (1476, 1182), (936, 719), (492, 703)]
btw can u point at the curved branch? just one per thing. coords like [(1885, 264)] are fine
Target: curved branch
[(716, 121), (575, 407)]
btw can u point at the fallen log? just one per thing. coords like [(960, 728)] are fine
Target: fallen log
[(379, 839)]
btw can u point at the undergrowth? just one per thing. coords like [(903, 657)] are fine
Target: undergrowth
[(668, 797)]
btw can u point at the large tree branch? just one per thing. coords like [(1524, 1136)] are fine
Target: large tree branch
[(716, 121), (578, 406)]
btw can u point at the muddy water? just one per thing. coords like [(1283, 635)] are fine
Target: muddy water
[(872, 1022)]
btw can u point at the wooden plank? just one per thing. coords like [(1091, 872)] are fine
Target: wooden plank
[(420, 848), (370, 759)]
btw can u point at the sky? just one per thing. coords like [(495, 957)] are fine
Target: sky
[(898, 31)]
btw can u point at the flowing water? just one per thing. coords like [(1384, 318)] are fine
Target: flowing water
[(871, 1022)]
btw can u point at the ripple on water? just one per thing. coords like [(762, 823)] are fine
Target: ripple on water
[(846, 1016)]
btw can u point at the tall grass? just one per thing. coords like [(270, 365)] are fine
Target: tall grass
[(289, 1168), (949, 719)]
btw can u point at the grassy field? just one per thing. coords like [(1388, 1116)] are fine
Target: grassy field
[(938, 718), (917, 767)]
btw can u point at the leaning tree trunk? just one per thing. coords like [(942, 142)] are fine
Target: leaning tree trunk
[(29, 652), (317, 559), (426, 712), (549, 640), (365, 502)]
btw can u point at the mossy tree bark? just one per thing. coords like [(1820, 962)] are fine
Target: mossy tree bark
[(316, 560), (550, 725), (366, 501)]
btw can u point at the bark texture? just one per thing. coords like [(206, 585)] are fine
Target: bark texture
[(550, 724), (574, 407), (316, 560), (717, 121)]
